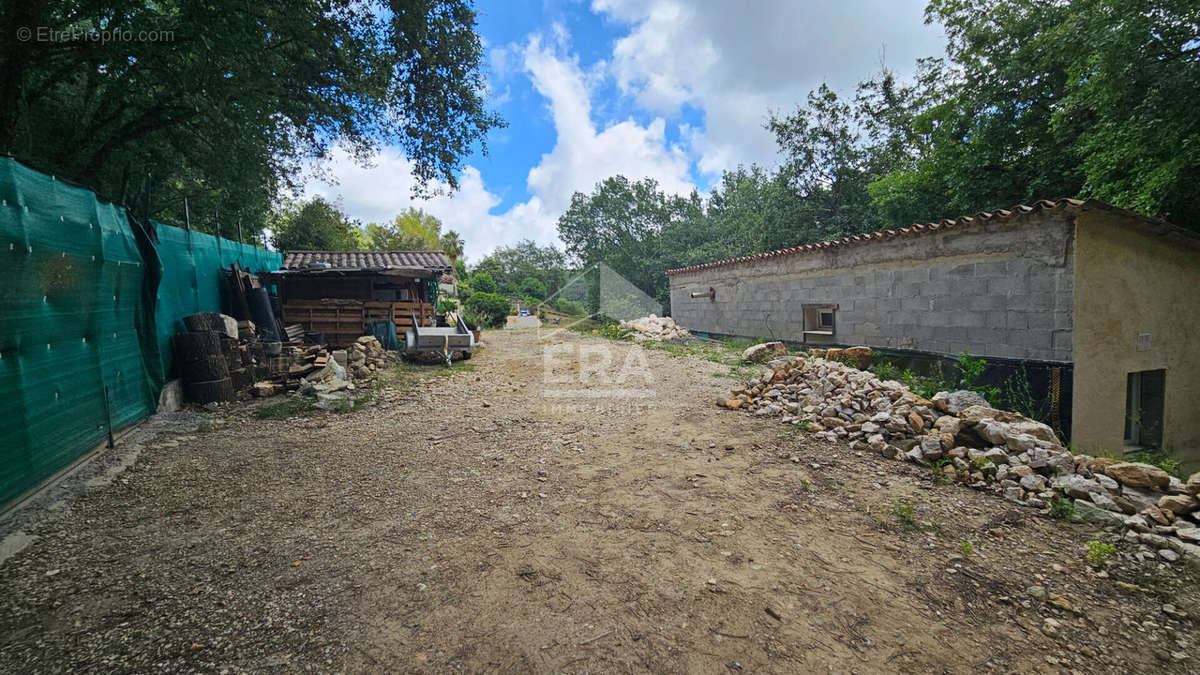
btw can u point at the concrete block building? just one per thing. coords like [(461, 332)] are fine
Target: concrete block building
[(1110, 295)]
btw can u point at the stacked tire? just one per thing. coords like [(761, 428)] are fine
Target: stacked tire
[(201, 362)]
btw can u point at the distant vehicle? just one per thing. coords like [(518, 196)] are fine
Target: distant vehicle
[(524, 312)]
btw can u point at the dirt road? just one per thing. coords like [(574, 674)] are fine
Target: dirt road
[(582, 509)]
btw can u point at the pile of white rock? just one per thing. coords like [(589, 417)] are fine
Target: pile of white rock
[(365, 357), (967, 441), (655, 329)]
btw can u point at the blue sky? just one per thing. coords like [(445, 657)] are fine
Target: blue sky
[(669, 89)]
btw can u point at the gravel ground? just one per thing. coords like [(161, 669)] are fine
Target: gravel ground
[(525, 514)]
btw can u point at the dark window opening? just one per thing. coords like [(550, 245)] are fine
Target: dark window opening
[(827, 320), (1144, 398)]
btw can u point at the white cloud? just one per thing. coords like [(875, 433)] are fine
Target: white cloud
[(582, 156), (735, 61)]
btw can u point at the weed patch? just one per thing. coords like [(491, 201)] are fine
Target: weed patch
[(298, 406), (905, 517), (1156, 458), (344, 407), (1098, 552), (1061, 507)]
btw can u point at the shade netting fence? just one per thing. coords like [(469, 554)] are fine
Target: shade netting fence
[(88, 301)]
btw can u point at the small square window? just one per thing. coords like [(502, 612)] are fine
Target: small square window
[(820, 321)]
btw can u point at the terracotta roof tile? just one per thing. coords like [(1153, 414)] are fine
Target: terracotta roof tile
[(368, 260), (915, 229)]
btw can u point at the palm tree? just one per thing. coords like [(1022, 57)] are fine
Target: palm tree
[(452, 244)]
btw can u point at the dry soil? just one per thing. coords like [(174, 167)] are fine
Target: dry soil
[(566, 504)]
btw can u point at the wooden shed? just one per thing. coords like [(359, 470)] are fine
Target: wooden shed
[(335, 293)]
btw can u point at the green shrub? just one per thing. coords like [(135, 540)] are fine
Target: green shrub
[(903, 510), (488, 308), (970, 370), (1061, 508), (567, 306), (1098, 552), (446, 305), (474, 320), (613, 331)]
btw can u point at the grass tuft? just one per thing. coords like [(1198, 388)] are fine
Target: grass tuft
[(298, 406)]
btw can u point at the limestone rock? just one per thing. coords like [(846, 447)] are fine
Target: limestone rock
[(971, 415), (1179, 504), (1033, 482), (1036, 429), (763, 352), (958, 401), (1139, 475), (859, 357), (1076, 486), (931, 448), (1090, 513), (1104, 501), (1193, 484)]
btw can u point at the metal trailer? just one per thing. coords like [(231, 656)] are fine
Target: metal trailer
[(439, 340)]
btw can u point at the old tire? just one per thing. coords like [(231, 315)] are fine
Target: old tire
[(208, 392)]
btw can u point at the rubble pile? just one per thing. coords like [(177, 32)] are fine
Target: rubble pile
[(967, 441), (314, 371), (365, 357), (655, 329)]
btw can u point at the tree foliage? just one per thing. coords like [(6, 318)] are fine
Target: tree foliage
[(482, 282), (534, 288), (1034, 99), (315, 225), (411, 230), (226, 101), (510, 266)]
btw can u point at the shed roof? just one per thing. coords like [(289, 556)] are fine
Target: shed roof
[(434, 261), (999, 215)]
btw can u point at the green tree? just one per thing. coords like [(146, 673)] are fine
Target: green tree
[(452, 245), (826, 166), (411, 230), (229, 101), (315, 225), (482, 282), (533, 288), (1130, 108), (620, 224), (509, 266)]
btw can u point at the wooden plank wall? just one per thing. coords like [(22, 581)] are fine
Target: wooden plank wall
[(342, 322)]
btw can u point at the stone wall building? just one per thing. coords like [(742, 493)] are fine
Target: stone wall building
[(1109, 294)]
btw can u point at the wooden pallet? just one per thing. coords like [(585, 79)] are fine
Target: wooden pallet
[(400, 313), (343, 321), (340, 323)]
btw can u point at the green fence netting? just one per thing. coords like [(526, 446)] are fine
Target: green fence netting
[(191, 264), (86, 315)]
